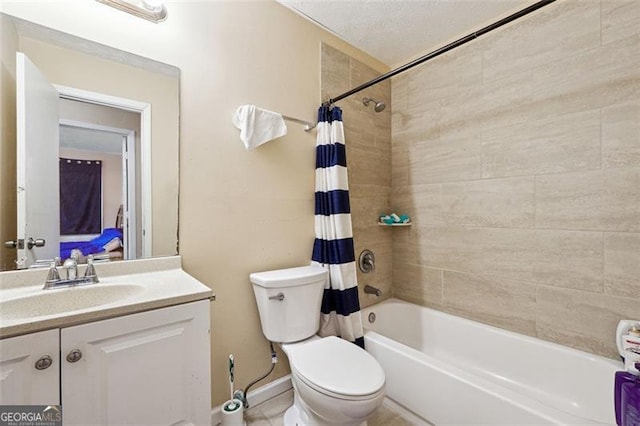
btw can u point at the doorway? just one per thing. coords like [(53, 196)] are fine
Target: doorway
[(85, 147), (136, 152)]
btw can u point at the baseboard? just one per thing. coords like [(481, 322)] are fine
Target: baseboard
[(258, 396)]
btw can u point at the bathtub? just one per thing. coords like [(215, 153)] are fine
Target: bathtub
[(450, 370)]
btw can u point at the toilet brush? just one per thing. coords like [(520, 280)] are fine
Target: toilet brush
[(231, 379), (232, 410)]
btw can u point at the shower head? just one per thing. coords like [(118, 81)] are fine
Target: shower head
[(378, 107)]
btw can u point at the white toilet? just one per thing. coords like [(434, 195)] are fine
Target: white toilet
[(335, 382)]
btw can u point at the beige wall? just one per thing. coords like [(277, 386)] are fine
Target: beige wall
[(368, 145), (239, 211), (8, 48), (518, 156), (111, 180)]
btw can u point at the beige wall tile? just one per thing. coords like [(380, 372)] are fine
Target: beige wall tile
[(607, 199), (451, 248), (490, 202), (359, 125), (368, 166), (378, 241), (496, 301), (620, 19), (444, 77), (420, 202), (622, 264), (361, 73), (445, 160), (400, 90), (543, 38), (494, 104), (509, 253), (368, 202), (559, 258), (596, 78), (565, 143), (621, 134), (382, 123), (582, 320), (368, 144), (417, 284), (399, 166), (334, 71), (558, 121), (569, 259), (400, 245), (416, 125)]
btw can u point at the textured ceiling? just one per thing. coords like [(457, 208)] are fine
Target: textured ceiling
[(395, 31)]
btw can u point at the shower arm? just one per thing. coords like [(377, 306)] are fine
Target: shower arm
[(441, 50)]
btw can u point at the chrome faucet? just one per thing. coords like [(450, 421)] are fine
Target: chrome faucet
[(368, 289), (71, 265)]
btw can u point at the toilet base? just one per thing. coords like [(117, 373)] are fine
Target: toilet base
[(292, 416), (296, 416)]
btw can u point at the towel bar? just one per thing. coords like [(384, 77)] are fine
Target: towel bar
[(308, 125)]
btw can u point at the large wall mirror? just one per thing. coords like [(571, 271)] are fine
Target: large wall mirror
[(89, 150)]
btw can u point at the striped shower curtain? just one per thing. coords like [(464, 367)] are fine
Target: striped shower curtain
[(333, 246)]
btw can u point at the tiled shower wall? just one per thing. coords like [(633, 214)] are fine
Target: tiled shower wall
[(368, 145), (518, 157)]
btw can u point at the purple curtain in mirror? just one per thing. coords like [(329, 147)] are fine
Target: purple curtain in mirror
[(80, 197)]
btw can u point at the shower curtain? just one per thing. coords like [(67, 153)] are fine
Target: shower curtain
[(333, 246)]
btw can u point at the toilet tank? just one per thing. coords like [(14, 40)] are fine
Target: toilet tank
[(289, 301)]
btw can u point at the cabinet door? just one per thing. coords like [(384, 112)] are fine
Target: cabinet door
[(21, 383), (147, 368)]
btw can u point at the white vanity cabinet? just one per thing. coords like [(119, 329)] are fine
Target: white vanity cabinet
[(151, 367), (146, 368), (30, 369)]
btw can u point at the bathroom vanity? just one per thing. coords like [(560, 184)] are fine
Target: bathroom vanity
[(134, 348)]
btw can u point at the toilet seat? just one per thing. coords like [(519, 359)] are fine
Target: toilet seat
[(337, 368)]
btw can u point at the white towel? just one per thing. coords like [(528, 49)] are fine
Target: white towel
[(258, 126)]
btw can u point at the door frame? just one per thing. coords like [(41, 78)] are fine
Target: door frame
[(144, 109), (128, 179)]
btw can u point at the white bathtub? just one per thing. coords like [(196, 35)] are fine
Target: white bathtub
[(450, 370)]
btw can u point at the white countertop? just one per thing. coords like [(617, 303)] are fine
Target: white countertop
[(142, 285)]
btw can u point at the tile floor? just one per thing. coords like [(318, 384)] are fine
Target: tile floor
[(271, 413)]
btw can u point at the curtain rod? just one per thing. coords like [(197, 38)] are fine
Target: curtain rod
[(442, 50)]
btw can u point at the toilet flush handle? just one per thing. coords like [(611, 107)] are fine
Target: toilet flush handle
[(279, 297)]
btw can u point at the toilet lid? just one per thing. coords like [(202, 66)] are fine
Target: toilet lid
[(338, 366)]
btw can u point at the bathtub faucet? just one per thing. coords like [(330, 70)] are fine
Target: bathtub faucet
[(368, 289)]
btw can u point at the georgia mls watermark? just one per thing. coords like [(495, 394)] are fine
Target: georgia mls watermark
[(30, 415)]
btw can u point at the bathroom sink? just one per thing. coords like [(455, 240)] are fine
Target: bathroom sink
[(52, 302), (141, 285)]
